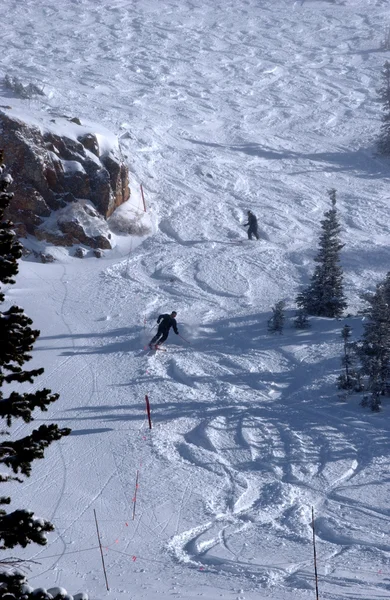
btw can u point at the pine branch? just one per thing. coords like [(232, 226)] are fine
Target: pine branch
[(19, 454)]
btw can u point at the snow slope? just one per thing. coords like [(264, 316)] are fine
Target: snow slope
[(220, 107)]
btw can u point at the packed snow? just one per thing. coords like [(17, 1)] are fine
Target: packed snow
[(220, 107)]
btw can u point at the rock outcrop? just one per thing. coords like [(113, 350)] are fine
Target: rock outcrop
[(67, 180)]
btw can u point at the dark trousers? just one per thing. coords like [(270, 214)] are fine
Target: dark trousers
[(160, 336), (252, 231)]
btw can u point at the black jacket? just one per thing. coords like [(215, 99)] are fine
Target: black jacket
[(166, 322), (252, 221)]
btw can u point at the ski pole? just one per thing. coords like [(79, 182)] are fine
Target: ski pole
[(184, 339)]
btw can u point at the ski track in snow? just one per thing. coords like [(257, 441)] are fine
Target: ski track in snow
[(221, 107)]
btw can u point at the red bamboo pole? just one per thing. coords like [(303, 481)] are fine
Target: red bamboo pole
[(148, 411), (101, 551), (143, 197), (135, 494)]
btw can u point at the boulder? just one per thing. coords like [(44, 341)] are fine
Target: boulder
[(46, 257), (80, 252), (53, 170), (76, 223)]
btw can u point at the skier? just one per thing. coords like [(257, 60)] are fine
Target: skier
[(165, 322), (252, 223)]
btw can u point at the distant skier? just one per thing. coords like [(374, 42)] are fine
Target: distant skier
[(165, 322), (252, 225)]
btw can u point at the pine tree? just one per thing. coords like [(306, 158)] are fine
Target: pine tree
[(374, 348), (21, 527), (384, 96), (301, 320), (350, 379), (324, 297), (276, 322)]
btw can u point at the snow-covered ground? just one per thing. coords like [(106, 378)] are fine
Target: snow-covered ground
[(221, 106)]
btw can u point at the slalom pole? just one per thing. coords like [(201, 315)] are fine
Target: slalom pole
[(184, 339), (135, 494), (148, 411), (143, 197), (101, 550), (315, 554)]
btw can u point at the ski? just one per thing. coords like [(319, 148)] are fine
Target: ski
[(153, 347)]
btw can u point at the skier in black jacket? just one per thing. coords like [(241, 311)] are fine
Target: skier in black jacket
[(252, 222), (165, 322)]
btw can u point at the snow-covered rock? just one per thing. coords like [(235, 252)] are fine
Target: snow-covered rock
[(56, 162), (78, 222)]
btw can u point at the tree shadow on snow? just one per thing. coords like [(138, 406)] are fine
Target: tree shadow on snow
[(362, 162), (288, 425), (130, 341), (375, 257), (248, 334), (89, 431)]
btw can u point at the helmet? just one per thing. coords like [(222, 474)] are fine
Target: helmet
[(173, 313)]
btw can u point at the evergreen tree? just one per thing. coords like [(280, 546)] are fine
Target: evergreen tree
[(324, 297), (276, 322), (21, 527), (384, 96), (350, 379), (301, 320), (374, 348)]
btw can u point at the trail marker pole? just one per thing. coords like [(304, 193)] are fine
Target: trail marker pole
[(315, 554), (143, 197), (135, 494), (101, 550), (148, 410)]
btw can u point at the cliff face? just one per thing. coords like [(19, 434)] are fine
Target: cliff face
[(66, 179)]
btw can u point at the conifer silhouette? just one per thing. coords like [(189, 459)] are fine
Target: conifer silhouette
[(21, 527), (324, 297)]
